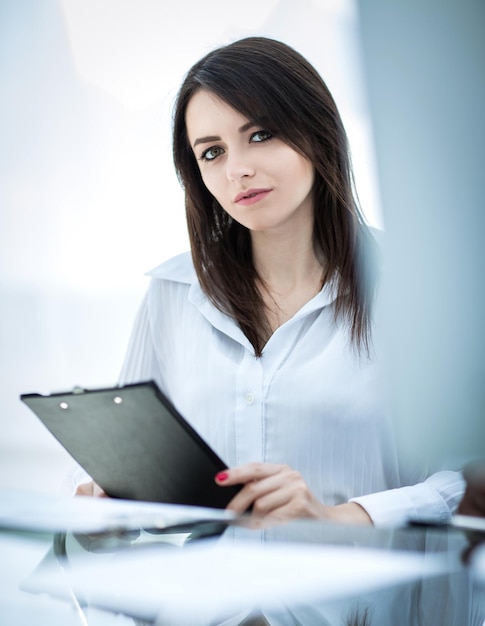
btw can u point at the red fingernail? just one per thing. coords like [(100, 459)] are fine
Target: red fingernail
[(222, 476)]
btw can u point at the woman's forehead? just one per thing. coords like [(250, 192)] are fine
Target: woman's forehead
[(207, 113)]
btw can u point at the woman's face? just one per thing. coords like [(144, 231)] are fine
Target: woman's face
[(258, 179)]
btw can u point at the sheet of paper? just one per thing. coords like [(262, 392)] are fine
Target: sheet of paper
[(209, 579), (24, 510), (469, 522)]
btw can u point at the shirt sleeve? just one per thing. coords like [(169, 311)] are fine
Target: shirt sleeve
[(433, 500), (140, 362)]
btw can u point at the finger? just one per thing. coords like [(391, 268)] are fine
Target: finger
[(85, 489), (269, 502), (284, 512), (265, 494), (245, 473), (281, 514), (287, 489), (98, 492), (90, 489)]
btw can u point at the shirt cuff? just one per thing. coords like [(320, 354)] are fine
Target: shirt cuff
[(422, 502)]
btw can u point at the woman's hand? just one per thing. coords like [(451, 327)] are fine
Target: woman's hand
[(278, 493), (90, 489), (473, 501)]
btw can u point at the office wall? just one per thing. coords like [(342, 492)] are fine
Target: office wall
[(89, 200)]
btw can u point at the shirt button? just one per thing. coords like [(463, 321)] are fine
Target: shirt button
[(249, 398)]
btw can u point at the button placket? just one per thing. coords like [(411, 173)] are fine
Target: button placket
[(249, 412)]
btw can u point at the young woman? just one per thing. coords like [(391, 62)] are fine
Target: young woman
[(261, 336)]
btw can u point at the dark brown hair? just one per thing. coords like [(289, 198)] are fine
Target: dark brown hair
[(275, 87)]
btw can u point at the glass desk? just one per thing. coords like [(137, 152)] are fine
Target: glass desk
[(302, 573)]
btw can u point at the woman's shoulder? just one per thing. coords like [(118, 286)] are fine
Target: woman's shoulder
[(178, 269)]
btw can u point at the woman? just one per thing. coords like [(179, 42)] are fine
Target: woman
[(262, 336)]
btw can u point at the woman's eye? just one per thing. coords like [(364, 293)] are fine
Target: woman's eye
[(261, 135), (211, 153)]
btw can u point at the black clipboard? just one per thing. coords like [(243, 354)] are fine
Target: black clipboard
[(134, 443)]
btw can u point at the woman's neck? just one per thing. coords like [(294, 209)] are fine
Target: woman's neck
[(283, 263), (290, 272)]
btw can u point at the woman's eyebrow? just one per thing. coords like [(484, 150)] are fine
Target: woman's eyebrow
[(206, 139), (210, 138)]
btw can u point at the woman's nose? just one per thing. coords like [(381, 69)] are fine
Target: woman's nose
[(239, 167)]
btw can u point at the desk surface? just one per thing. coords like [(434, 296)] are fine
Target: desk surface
[(300, 573)]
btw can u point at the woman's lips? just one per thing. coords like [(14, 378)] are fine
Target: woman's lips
[(251, 196)]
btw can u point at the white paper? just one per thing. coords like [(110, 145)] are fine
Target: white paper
[(469, 522), (43, 512)]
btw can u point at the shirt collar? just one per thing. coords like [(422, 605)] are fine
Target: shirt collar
[(180, 269)]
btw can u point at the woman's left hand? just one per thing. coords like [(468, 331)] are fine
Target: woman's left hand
[(278, 493)]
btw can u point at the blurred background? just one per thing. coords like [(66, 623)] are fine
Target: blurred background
[(425, 82), (88, 197)]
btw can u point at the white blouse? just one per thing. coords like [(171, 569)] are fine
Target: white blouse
[(309, 401)]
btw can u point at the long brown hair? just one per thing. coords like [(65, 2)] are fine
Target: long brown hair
[(275, 87)]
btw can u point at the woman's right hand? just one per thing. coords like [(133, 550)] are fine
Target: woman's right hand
[(90, 489)]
